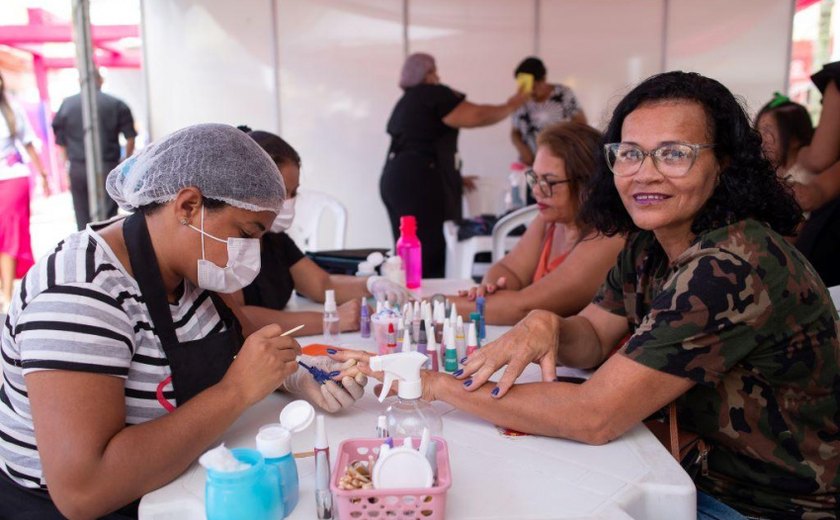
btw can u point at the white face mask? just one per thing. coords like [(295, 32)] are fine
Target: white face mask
[(283, 220), (243, 263)]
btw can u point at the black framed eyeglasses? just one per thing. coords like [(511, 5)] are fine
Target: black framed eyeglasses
[(546, 186), (671, 159)]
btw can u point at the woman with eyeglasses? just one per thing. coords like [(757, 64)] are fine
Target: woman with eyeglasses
[(726, 318), (560, 261)]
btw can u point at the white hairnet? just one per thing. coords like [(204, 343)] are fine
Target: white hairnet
[(220, 160)]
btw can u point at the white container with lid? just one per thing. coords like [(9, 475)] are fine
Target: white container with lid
[(275, 440)]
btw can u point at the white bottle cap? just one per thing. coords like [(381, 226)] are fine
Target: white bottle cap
[(321, 434), (329, 301), (472, 336), (274, 441)]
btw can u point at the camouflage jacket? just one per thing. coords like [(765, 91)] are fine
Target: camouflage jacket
[(742, 314)]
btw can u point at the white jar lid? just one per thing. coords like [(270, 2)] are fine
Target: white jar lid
[(297, 416), (402, 468)]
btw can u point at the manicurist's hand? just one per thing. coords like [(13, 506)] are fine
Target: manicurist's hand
[(263, 363), (532, 340)]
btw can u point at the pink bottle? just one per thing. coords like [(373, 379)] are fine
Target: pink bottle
[(408, 248)]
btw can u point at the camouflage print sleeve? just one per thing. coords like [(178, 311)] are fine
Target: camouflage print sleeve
[(704, 320), (610, 296), (621, 277)]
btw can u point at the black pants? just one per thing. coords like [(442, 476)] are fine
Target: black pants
[(411, 184), (79, 190), (20, 503)]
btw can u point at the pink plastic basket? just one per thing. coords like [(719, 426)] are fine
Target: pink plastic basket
[(385, 504)]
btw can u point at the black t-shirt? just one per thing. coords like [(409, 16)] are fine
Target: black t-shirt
[(830, 72), (819, 241), (416, 124), (114, 119), (274, 285)]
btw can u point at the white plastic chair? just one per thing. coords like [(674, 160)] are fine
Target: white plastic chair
[(309, 212), (460, 255), (835, 295), (508, 223)]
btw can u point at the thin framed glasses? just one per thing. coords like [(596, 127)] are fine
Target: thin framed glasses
[(546, 186), (671, 160)]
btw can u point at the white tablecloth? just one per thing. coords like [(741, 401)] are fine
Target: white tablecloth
[(494, 477)]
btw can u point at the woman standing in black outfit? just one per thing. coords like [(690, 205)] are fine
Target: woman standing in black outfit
[(422, 174)]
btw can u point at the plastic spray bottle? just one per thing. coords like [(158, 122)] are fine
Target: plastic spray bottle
[(409, 249), (331, 330), (408, 414)]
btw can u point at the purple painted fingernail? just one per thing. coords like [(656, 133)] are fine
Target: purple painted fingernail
[(464, 360), (334, 373), (458, 372), (332, 351), (468, 382), (495, 392)]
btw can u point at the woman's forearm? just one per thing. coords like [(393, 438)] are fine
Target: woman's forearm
[(259, 317), (500, 270), (348, 287), (142, 458), (550, 409)]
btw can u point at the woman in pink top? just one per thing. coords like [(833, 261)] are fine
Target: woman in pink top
[(559, 263)]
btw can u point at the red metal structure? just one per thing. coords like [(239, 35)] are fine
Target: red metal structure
[(44, 29)]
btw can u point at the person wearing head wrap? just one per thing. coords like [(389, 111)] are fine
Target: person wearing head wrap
[(422, 173), (121, 363)]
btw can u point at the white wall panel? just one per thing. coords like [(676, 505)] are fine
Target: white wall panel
[(600, 49), (339, 61), (742, 44), (339, 68), (209, 62), (477, 45)]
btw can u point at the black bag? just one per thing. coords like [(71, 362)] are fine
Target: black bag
[(342, 261)]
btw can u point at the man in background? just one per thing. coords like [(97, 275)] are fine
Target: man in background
[(549, 104), (114, 119)]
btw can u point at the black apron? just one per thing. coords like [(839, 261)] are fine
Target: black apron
[(195, 365)]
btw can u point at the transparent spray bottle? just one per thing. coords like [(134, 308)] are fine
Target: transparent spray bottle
[(331, 329), (407, 414)]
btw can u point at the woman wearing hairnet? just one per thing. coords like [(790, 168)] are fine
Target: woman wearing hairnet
[(422, 174), (120, 362)]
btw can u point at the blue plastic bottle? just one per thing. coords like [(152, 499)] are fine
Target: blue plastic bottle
[(275, 444), (250, 494)]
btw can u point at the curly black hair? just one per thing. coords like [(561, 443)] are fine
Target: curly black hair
[(748, 186)]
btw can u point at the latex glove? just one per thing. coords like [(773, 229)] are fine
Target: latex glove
[(330, 396), (384, 289)]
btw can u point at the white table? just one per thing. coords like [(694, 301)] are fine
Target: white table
[(494, 477)]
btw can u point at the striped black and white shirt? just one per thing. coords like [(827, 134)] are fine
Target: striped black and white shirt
[(78, 309)]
